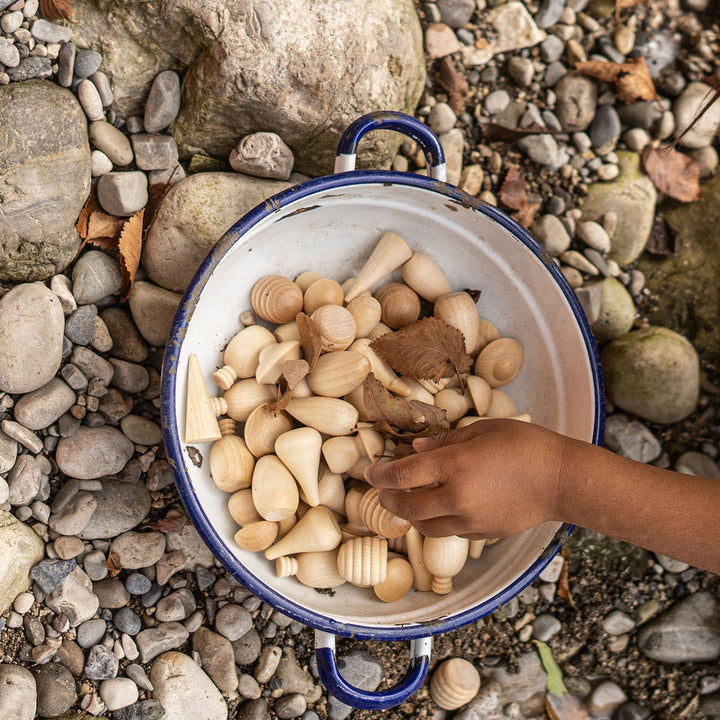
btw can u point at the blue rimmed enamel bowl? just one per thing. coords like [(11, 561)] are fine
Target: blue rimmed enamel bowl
[(330, 225)]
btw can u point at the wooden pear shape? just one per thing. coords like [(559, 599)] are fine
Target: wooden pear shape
[(241, 355), (200, 418), (454, 401), (331, 489), (445, 557), (299, 450), (263, 427), (330, 416), (454, 683), (315, 531), (231, 463), (337, 373), (414, 544), (388, 255), (340, 453), (363, 560), (314, 569), (273, 357), (274, 490), (425, 277), (242, 508), (459, 310), (380, 520), (398, 582), (257, 536)]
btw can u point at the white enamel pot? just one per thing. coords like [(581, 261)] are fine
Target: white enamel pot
[(329, 225)]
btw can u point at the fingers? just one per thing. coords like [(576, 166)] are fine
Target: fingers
[(420, 504), (452, 437), (405, 474), (441, 526)]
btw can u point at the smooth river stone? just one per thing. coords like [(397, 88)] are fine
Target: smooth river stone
[(31, 337), (18, 692), (42, 407), (120, 507), (94, 453), (20, 549)]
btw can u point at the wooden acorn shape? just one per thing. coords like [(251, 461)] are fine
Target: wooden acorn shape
[(231, 463), (323, 291), (444, 557), (242, 508), (476, 549), (286, 331), (338, 373), (330, 416), (241, 355), (276, 299), (263, 427), (257, 536), (380, 520), (245, 395), (459, 310), (501, 405), (273, 357), (500, 362), (454, 683), (316, 531), (399, 303), (480, 393), (336, 326), (366, 312), (487, 332), (389, 254), (299, 451), (314, 569), (363, 560), (398, 582), (425, 277), (200, 414), (274, 490), (305, 279), (380, 369), (454, 402), (422, 577)]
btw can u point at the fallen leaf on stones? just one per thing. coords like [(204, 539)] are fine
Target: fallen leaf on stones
[(428, 349), (632, 78), (554, 682), (708, 102), (620, 4), (103, 230), (672, 172), (454, 83), (525, 216), (130, 247), (56, 9), (310, 339), (91, 205), (113, 564), (662, 240), (566, 707), (563, 586), (156, 192), (173, 521), (513, 192), (495, 132)]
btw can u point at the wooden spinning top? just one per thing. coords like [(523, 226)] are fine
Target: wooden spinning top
[(454, 683), (317, 530), (315, 569), (363, 560), (445, 557), (380, 520)]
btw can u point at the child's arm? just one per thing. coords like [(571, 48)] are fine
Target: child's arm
[(497, 477)]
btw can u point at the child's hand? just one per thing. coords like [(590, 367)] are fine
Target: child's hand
[(489, 479)]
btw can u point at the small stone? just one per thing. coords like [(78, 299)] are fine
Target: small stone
[(102, 84), (440, 40), (9, 56), (549, 13), (101, 663), (121, 506), (87, 62), (138, 676), (218, 661), (73, 518), (90, 633), (267, 663), (263, 154), (672, 565), (127, 621), (254, 710), (23, 603), (68, 547), (137, 584), (134, 124), (552, 48), (699, 464), (497, 101), (91, 365), (66, 63), (631, 439), (441, 119), (127, 343), (18, 692), (48, 574), (90, 100), (154, 152), (248, 687), (294, 679), (93, 453), (74, 598), (153, 310), (175, 606), (11, 21), (118, 693), (636, 138), (155, 641), (139, 550), (521, 70), (605, 129), (49, 32), (551, 233), (542, 149), (594, 235), (617, 623), (100, 163), (247, 648), (290, 706), (80, 325), (456, 13), (233, 621), (605, 698), (143, 710), (576, 101), (361, 670), (122, 193), (94, 565), (545, 626), (163, 102), (96, 275), (114, 143)]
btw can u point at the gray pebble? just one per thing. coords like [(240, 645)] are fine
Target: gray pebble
[(456, 13), (92, 365), (94, 453), (545, 626), (360, 669), (643, 114), (90, 633), (154, 152), (155, 641), (111, 593), (24, 436), (605, 698), (95, 276), (496, 101), (121, 506), (137, 584), (94, 564), (441, 118), (151, 596), (521, 70), (262, 154), (40, 408), (48, 574), (554, 72), (101, 663), (163, 103), (594, 235), (542, 149), (267, 663), (118, 693), (139, 677), (87, 62), (139, 549), (233, 621), (247, 648), (112, 142), (74, 378), (30, 8), (80, 325), (176, 606), (254, 710), (605, 129), (74, 516), (129, 377), (552, 48), (49, 32), (290, 706), (122, 193), (607, 47), (11, 21), (9, 55), (576, 100), (699, 464), (141, 430), (128, 344), (143, 710), (549, 13), (134, 124), (55, 689), (101, 82), (66, 63), (617, 623), (90, 100), (24, 481), (660, 48)]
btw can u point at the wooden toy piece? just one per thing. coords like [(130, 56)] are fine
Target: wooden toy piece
[(336, 326), (454, 683), (398, 582), (470, 419), (263, 427), (330, 416), (200, 418), (425, 277), (340, 453), (241, 355), (380, 329), (480, 393), (315, 569), (422, 577), (299, 451), (400, 304), (501, 405), (338, 373), (273, 357), (331, 489), (434, 386), (397, 545), (487, 332), (500, 362), (444, 557), (323, 291), (476, 548), (355, 525), (245, 395), (305, 279), (231, 463), (274, 490), (379, 368), (454, 402), (459, 310), (363, 560), (286, 331), (388, 255), (257, 536), (356, 398), (276, 299), (417, 391), (317, 530), (242, 508), (286, 525), (367, 312), (380, 520)]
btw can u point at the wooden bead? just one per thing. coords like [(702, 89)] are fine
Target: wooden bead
[(363, 560), (314, 569), (305, 279), (398, 582), (454, 683), (380, 520), (444, 557), (317, 530), (276, 299), (399, 304), (274, 489), (336, 326), (367, 312), (331, 489), (286, 331), (454, 402), (231, 463), (257, 536), (322, 292), (263, 427), (500, 362)]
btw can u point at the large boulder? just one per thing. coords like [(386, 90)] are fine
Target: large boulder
[(303, 69), (20, 549), (44, 178)]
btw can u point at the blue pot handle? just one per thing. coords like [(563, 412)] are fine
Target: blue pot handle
[(364, 699), (391, 120)]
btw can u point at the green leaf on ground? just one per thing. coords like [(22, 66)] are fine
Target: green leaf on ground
[(554, 674)]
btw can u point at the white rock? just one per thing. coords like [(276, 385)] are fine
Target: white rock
[(18, 693), (594, 235), (692, 99), (100, 163), (118, 692), (20, 549), (89, 98)]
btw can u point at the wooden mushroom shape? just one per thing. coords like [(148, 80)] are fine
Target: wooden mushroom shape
[(241, 355), (500, 362), (315, 569), (336, 326), (263, 427)]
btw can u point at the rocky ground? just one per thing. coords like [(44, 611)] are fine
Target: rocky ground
[(112, 606)]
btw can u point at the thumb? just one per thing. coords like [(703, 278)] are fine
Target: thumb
[(452, 437)]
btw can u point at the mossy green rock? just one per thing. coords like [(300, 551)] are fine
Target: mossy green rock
[(684, 291), (617, 310), (632, 197), (653, 373)]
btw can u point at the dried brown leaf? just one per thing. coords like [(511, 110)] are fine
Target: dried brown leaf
[(662, 240), (156, 192), (672, 172), (91, 205), (293, 371), (310, 339), (113, 563), (174, 521), (56, 9), (526, 214), (454, 83), (495, 132), (103, 230), (632, 78), (563, 586), (130, 246), (428, 349), (513, 192)]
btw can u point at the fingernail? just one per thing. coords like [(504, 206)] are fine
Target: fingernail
[(419, 443)]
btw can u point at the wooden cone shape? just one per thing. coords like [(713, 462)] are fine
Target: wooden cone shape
[(299, 450), (201, 425), (317, 530), (445, 557), (314, 569), (389, 254), (454, 683), (476, 548), (274, 490)]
